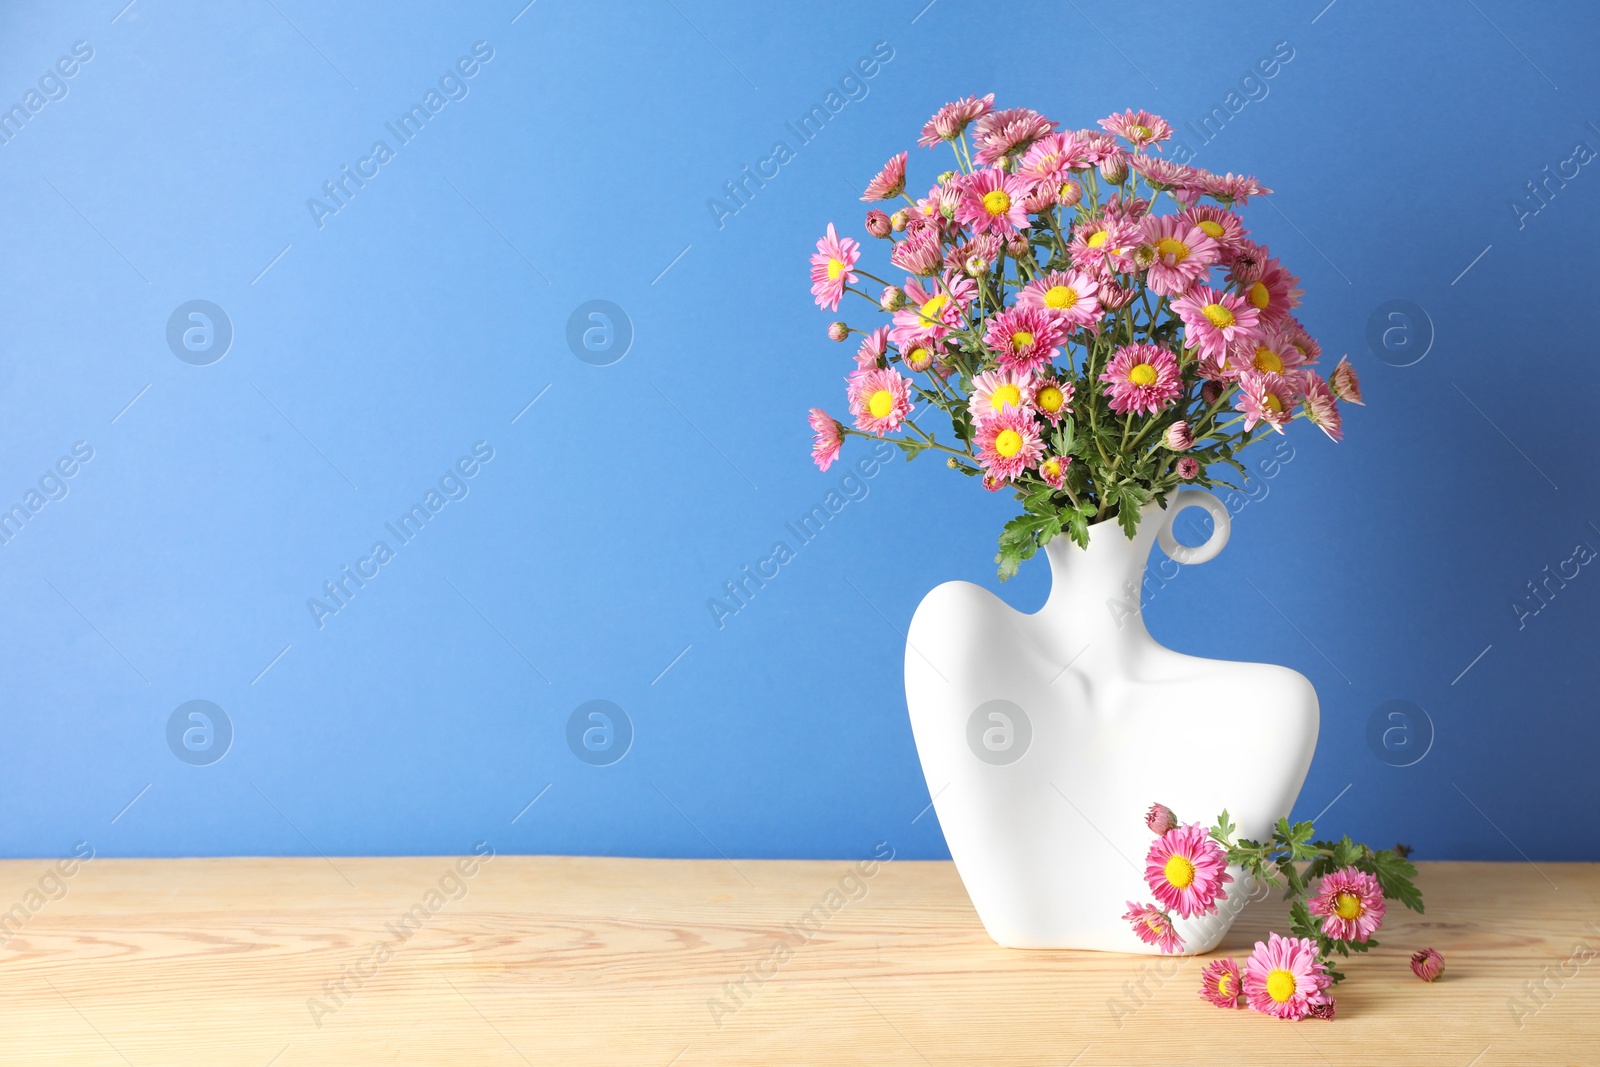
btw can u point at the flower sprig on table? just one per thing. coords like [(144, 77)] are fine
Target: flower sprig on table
[(1091, 351), (1337, 893)]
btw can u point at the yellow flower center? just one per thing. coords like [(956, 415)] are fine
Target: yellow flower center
[(1047, 162), (1050, 398), (1060, 297), (881, 403), (919, 357), (1179, 871), (835, 268), (1153, 925), (1280, 985), (1021, 339), (1007, 395), (1008, 443), (1211, 229), (1259, 297), (1347, 906), (996, 202), (1097, 238), (1138, 133), (1273, 403), (1217, 315), (1171, 246), (1267, 359), (1145, 374), (1051, 468), (933, 305), (1225, 985)]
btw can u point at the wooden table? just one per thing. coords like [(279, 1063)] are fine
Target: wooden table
[(571, 961)]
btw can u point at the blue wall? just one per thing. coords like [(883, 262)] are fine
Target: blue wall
[(375, 347)]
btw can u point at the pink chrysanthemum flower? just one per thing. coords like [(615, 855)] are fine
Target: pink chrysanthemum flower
[(1246, 263), (992, 200), (995, 392), (1274, 293), (873, 347), (1320, 406), (1214, 322), (1181, 251), (1141, 378), (919, 353), (829, 438), (1008, 444), (1094, 240), (1052, 399), (1427, 964), (1153, 926), (1283, 976), (1264, 354), (889, 182), (1071, 296), (1099, 145), (1265, 398), (1188, 468), (1292, 337), (1001, 133), (949, 121), (933, 310), (1024, 338), (1222, 983), (1350, 903), (1346, 386), (1178, 437), (919, 253), (879, 399), (1138, 128), (1186, 870), (1053, 158), (1233, 188), (1185, 183), (1053, 469), (1219, 224), (831, 268)]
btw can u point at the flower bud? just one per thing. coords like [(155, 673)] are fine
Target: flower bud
[(950, 461), (1017, 244), (892, 299), (1069, 194), (977, 266), (878, 223), (1114, 297), (1427, 964), (1160, 819), (1188, 468), (946, 176), (1179, 437), (1211, 392), (897, 221), (1321, 1008), (838, 331), (1114, 170)]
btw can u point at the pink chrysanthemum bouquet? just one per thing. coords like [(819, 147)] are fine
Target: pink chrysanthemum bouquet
[(1093, 319)]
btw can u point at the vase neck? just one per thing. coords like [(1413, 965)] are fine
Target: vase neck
[(1095, 591)]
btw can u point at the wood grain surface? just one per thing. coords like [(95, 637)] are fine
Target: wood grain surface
[(535, 960)]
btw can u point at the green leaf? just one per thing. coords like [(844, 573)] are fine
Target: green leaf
[(1395, 874), (911, 447)]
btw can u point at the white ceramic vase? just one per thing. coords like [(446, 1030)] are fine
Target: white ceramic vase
[(1046, 737)]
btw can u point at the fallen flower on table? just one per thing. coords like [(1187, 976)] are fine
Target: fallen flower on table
[(1343, 884)]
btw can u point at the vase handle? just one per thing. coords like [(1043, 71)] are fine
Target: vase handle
[(1222, 525)]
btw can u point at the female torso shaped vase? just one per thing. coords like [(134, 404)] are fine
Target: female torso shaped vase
[(1046, 737)]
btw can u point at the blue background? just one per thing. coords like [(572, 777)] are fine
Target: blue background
[(371, 353)]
